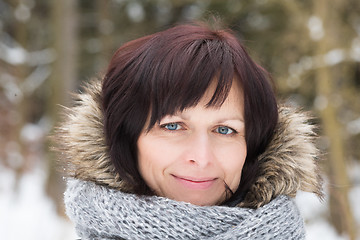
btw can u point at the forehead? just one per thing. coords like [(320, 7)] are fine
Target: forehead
[(214, 96), (233, 95), (232, 107)]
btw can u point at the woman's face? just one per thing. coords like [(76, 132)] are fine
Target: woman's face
[(189, 156)]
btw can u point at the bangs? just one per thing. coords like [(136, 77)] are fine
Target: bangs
[(170, 71), (184, 71)]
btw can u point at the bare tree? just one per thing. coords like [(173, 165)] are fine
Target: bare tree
[(340, 209), (105, 29), (19, 72), (62, 80)]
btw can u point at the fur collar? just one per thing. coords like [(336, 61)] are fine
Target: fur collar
[(289, 164)]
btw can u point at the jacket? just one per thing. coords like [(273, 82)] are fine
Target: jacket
[(289, 164)]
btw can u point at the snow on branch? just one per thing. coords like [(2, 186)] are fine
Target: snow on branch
[(35, 79), (14, 54), (331, 58)]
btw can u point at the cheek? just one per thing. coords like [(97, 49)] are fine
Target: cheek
[(154, 151), (154, 156), (148, 155), (232, 162)]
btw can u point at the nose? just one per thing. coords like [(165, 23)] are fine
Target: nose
[(200, 150)]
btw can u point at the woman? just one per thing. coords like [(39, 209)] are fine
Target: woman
[(183, 139)]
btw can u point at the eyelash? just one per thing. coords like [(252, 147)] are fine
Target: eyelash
[(164, 126), (233, 131)]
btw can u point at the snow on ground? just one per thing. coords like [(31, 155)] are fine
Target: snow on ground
[(30, 214), (314, 213)]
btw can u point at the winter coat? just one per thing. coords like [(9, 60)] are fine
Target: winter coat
[(288, 165)]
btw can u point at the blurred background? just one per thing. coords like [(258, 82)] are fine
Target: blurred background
[(49, 48)]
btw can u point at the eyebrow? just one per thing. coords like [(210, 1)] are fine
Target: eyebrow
[(231, 118)]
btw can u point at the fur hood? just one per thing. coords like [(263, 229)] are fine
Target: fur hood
[(289, 164)]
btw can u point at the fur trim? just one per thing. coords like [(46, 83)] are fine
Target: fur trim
[(80, 141), (289, 164)]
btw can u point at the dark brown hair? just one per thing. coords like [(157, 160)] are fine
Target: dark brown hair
[(169, 71)]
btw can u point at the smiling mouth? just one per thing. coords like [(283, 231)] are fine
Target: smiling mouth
[(194, 183)]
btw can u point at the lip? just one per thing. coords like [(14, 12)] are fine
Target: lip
[(195, 183)]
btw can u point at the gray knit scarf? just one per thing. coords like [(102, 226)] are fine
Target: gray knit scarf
[(104, 213)]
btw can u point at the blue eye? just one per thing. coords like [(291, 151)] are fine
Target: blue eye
[(224, 130), (172, 126)]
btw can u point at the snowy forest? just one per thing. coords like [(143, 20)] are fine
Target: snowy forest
[(49, 49)]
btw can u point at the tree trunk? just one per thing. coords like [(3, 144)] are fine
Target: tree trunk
[(62, 81), (340, 209), (21, 71), (105, 29)]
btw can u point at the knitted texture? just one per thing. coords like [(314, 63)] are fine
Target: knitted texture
[(288, 164), (103, 213)]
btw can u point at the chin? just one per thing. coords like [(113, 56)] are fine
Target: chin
[(201, 201)]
